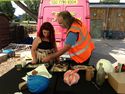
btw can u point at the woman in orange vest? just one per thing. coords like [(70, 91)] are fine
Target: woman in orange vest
[(78, 41)]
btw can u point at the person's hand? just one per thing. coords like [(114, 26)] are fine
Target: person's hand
[(34, 61), (57, 60), (46, 59)]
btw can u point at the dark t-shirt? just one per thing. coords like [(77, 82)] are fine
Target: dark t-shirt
[(45, 45)]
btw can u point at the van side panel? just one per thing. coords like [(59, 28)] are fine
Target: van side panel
[(87, 15)]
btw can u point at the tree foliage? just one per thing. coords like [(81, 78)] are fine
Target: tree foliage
[(33, 5), (7, 8)]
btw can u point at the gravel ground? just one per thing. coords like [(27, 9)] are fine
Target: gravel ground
[(6, 66)]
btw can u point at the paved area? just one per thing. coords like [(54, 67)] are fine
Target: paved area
[(112, 50)]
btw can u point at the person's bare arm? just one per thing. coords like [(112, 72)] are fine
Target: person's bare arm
[(33, 49), (57, 54)]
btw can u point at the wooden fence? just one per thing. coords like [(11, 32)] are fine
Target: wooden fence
[(107, 19)]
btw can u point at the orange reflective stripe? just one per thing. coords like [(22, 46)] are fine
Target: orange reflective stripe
[(83, 50), (81, 35), (74, 28), (82, 40)]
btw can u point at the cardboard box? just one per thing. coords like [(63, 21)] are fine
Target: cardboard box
[(117, 81)]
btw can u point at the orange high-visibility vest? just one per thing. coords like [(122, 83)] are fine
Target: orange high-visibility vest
[(84, 46)]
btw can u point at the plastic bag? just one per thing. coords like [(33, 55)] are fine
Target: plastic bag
[(107, 65), (71, 77), (37, 84)]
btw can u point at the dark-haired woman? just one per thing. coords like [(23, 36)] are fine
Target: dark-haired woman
[(44, 43)]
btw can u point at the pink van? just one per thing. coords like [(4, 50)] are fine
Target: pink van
[(48, 10)]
